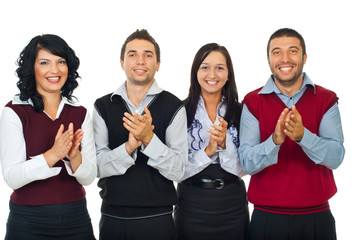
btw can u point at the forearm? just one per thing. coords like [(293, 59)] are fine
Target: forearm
[(197, 161), (170, 161), (170, 158), (17, 170), (113, 162), (254, 155), (327, 152), (256, 158), (21, 174), (229, 158), (327, 148), (85, 169)]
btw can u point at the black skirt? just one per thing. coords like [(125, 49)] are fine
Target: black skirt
[(65, 221), (212, 213)]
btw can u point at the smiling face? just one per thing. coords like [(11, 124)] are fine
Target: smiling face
[(50, 72), (140, 62), (286, 61), (212, 74)]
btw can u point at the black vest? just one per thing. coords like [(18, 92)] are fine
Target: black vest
[(142, 186)]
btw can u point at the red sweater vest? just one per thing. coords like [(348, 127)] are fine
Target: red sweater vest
[(39, 133), (295, 185)]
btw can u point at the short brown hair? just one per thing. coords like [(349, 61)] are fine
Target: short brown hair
[(141, 34)]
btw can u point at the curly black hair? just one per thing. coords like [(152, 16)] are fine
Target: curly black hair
[(26, 73)]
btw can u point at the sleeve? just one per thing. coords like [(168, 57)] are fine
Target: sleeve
[(197, 161), (254, 155), (86, 172), (17, 171), (109, 162), (170, 157), (326, 149), (229, 157)]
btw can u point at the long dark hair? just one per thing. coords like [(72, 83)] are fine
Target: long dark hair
[(229, 90), (26, 72)]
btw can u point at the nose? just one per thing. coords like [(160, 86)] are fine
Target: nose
[(54, 68), (285, 56), (212, 73), (140, 59)]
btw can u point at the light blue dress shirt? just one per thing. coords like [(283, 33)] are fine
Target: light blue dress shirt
[(326, 149)]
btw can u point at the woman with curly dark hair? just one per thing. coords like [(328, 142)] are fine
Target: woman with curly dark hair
[(212, 195), (46, 146)]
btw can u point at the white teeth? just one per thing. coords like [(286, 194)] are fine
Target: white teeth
[(212, 82), (53, 78), (286, 68)]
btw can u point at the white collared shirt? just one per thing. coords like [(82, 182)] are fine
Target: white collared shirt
[(18, 172), (198, 139)]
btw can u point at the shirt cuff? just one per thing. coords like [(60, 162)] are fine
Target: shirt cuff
[(270, 148), (126, 159), (155, 148), (307, 139), (39, 169), (81, 171)]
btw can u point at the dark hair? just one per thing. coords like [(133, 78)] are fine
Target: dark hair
[(287, 32), (229, 90), (26, 72), (144, 35)]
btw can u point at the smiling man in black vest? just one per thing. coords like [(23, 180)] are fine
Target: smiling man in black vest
[(141, 142)]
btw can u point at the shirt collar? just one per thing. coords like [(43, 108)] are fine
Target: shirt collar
[(221, 108), (17, 101), (270, 86), (122, 90)]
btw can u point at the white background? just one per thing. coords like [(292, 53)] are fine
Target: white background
[(97, 29)]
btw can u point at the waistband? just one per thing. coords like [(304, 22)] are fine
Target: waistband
[(128, 212), (294, 211), (210, 182)]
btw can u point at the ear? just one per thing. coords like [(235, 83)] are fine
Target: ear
[(122, 64), (158, 67), (305, 58)]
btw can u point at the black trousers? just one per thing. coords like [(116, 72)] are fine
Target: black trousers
[(153, 228), (270, 226), (212, 213), (65, 221)]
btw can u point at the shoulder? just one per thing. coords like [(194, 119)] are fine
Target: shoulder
[(169, 96), (105, 98), (169, 100), (105, 101), (253, 94), (252, 97), (324, 91), (326, 97)]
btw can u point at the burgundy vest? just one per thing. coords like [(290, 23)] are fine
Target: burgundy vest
[(294, 185), (39, 134)]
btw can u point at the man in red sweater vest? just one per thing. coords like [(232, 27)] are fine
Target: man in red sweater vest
[(290, 141)]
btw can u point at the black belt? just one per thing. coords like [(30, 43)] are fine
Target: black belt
[(210, 183)]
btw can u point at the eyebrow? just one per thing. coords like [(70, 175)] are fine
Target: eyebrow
[(276, 48), (46, 59), (220, 64), (135, 51)]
